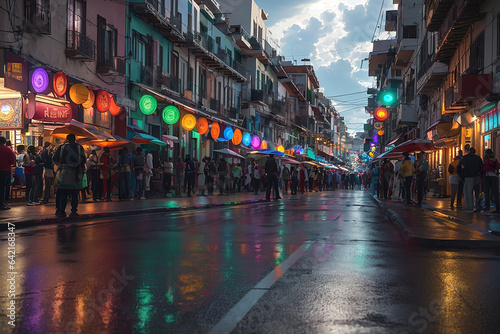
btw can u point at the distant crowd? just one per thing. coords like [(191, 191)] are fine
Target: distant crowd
[(471, 179)]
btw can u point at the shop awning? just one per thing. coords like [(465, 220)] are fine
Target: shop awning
[(116, 143), (394, 140), (410, 146), (228, 152), (145, 139)]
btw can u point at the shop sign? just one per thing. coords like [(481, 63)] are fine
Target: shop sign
[(52, 113), (11, 114), (16, 74)]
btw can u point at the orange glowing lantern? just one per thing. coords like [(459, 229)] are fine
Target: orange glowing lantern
[(102, 101), (114, 109), (263, 145), (237, 137), (90, 101), (381, 114), (79, 93), (60, 83), (215, 132), (202, 125), (188, 122)]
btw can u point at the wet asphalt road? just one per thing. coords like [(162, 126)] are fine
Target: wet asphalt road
[(185, 272)]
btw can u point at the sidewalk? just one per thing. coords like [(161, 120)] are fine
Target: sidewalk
[(45, 214), (436, 225)]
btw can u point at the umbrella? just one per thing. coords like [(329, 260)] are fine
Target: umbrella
[(142, 138), (81, 131), (229, 152), (117, 142), (287, 160), (267, 152), (170, 138)]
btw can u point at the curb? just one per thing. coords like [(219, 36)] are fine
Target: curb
[(53, 220), (412, 239)]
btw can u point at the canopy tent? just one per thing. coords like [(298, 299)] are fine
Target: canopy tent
[(81, 131), (226, 151), (409, 146), (287, 160), (312, 163)]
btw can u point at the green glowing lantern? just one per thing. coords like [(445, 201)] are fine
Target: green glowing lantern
[(171, 114), (147, 104)]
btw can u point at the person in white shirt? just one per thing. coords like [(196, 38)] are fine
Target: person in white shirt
[(148, 173)]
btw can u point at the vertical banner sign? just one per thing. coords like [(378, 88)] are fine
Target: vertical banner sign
[(16, 74)]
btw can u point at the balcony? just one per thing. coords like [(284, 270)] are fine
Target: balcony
[(436, 12), (147, 75), (153, 13), (79, 46), (241, 38), (469, 87), (279, 108), (391, 20), (455, 26), (211, 54), (263, 98), (430, 76), (112, 65), (161, 78), (259, 51), (37, 17), (215, 105)]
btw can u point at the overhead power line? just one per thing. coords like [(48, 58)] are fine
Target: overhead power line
[(334, 96)]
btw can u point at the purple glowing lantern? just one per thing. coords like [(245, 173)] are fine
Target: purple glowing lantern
[(255, 142), (40, 80)]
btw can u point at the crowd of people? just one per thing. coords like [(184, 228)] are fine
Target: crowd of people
[(471, 180), (138, 174)]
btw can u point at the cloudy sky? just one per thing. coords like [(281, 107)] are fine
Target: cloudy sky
[(336, 35)]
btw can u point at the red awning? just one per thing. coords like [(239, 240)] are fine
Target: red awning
[(410, 146)]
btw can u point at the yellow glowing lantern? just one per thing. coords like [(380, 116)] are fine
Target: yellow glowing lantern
[(188, 122)]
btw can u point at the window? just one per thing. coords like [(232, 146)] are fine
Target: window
[(410, 31), (476, 61), (498, 34), (106, 43), (142, 48), (76, 16), (255, 29)]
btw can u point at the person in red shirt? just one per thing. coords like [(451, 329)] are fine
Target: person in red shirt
[(7, 159)]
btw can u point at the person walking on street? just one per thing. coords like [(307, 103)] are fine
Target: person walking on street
[(190, 174), (421, 169), (454, 181), (138, 164), (29, 167), (124, 168), (407, 171), (256, 177), (286, 178), (236, 177), (93, 173), (271, 169), (387, 170), (168, 171), (7, 160), (70, 159), (222, 170), (48, 166), (470, 165), (107, 164), (210, 173), (179, 176), (200, 175), (294, 181), (490, 180)]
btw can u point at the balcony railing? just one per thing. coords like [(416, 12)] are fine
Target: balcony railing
[(111, 64), (279, 108), (79, 46), (37, 17), (260, 96)]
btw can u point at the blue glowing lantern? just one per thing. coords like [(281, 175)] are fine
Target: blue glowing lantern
[(247, 139), (228, 133)]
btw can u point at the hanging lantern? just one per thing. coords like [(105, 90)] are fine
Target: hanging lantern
[(255, 142), (114, 109), (40, 80), (378, 125), (280, 149), (60, 83), (148, 104), (228, 133), (102, 101), (79, 93), (381, 132), (188, 122), (171, 114), (237, 137), (247, 139), (263, 145), (215, 131), (90, 101), (202, 125)]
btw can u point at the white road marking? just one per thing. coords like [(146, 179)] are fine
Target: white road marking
[(234, 316)]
